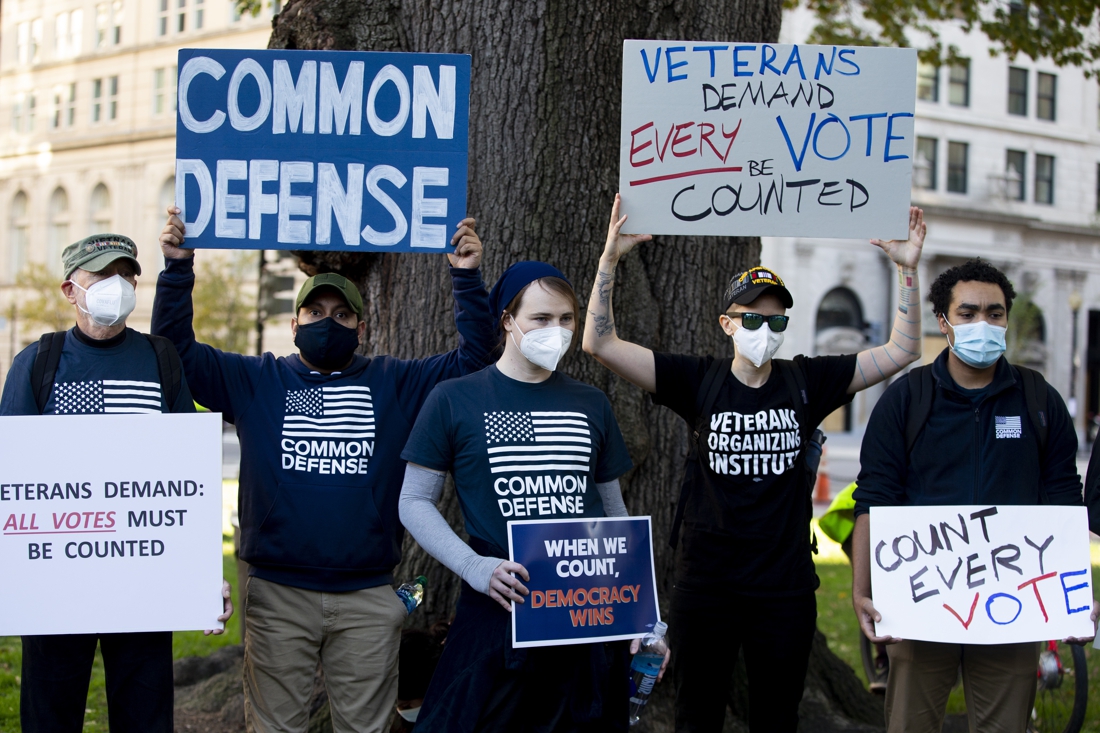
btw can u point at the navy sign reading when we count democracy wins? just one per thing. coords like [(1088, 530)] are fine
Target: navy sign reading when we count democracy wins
[(356, 151)]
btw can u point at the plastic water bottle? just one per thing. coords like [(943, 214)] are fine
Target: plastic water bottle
[(645, 667), (411, 594)]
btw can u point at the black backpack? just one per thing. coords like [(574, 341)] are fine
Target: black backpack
[(809, 455), (49, 356), (922, 390)]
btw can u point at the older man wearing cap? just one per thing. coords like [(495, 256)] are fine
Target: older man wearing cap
[(321, 435), (745, 570), (100, 275)]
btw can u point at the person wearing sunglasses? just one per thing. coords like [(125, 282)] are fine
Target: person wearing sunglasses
[(746, 563)]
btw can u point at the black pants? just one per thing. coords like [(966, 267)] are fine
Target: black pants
[(706, 633), (57, 671)]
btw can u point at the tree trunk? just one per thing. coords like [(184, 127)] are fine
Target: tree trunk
[(543, 170)]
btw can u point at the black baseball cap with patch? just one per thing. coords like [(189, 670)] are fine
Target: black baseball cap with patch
[(751, 284), (97, 251)]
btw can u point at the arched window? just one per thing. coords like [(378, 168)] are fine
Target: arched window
[(57, 236), (20, 235), (839, 308), (100, 210)]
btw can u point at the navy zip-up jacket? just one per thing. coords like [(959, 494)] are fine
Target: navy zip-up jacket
[(321, 471), (960, 457)]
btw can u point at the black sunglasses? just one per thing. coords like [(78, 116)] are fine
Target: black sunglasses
[(753, 321)]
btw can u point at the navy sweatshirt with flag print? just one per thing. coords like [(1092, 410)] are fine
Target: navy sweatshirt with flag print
[(321, 471), (110, 376)]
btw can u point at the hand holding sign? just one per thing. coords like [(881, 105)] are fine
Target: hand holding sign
[(467, 246), (172, 237), (619, 244), (906, 252)]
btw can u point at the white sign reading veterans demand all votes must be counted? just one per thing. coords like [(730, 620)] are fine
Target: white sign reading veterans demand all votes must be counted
[(766, 139), (981, 574), (111, 523)]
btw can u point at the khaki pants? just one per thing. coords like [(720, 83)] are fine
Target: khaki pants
[(998, 681), (354, 635)]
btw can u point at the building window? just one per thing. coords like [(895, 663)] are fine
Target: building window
[(57, 237), (1098, 186), (924, 167), (99, 213), (17, 114), (199, 11), (70, 107), (68, 30), (22, 114), (28, 42), (958, 84), (234, 11), (1046, 96), (20, 227), (181, 16), (108, 24), (956, 167), (64, 106), (1017, 91), (1044, 179), (1015, 174), (104, 99), (164, 90), (162, 19), (928, 82)]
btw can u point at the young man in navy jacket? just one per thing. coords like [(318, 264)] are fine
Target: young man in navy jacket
[(958, 458), (321, 434)]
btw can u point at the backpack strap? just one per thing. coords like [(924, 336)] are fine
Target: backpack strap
[(1035, 395), (45, 367), (922, 390), (796, 386), (704, 403), (169, 368)]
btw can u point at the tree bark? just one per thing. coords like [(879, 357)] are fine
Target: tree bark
[(543, 170)]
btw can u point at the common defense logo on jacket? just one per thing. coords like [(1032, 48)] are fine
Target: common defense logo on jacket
[(329, 430), (1008, 427), (548, 455)]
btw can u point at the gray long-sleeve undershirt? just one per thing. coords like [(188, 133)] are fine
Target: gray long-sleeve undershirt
[(419, 509)]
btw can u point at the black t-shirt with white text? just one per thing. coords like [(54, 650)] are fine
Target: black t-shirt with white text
[(745, 525)]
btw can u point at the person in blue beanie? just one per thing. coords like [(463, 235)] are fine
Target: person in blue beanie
[(321, 433), (517, 418)]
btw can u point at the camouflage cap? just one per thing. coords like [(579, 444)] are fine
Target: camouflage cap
[(97, 251), (346, 288)]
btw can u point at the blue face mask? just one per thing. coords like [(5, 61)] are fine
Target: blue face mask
[(979, 344), (326, 344)]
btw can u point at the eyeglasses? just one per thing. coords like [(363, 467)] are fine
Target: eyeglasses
[(753, 321)]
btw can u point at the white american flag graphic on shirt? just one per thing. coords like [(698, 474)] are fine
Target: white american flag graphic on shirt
[(538, 441), (106, 396)]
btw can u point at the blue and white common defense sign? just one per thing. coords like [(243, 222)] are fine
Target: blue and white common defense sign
[(341, 150), (591, 580)]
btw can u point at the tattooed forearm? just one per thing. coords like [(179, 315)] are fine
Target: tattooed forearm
[(603, 324), (605, 281)]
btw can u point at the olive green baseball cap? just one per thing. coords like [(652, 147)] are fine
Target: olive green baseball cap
[(346, 288), (97, 251)]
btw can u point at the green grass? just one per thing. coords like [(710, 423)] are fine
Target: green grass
[(184, 644), (838, 622)]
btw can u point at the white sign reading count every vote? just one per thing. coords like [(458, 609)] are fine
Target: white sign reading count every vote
[(981, 574), (111, 523)]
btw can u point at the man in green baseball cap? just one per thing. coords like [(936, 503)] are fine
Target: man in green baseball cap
[(321, 436), (64, 373)]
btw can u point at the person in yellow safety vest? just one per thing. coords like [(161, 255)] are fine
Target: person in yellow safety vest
[(837, 523)]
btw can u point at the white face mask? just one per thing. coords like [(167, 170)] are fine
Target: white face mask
[(978, 344), (757, 346), (410, 714), (543, 347), (109, 301)]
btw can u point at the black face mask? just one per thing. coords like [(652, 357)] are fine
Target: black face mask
[(326, 344)]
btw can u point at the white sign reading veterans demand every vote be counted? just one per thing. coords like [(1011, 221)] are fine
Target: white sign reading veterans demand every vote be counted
[(766, 139), (981, 574), (322, 149), (111, 523)]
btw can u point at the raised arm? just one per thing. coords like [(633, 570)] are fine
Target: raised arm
[(220, 381), (630, 361), (904, 347)]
